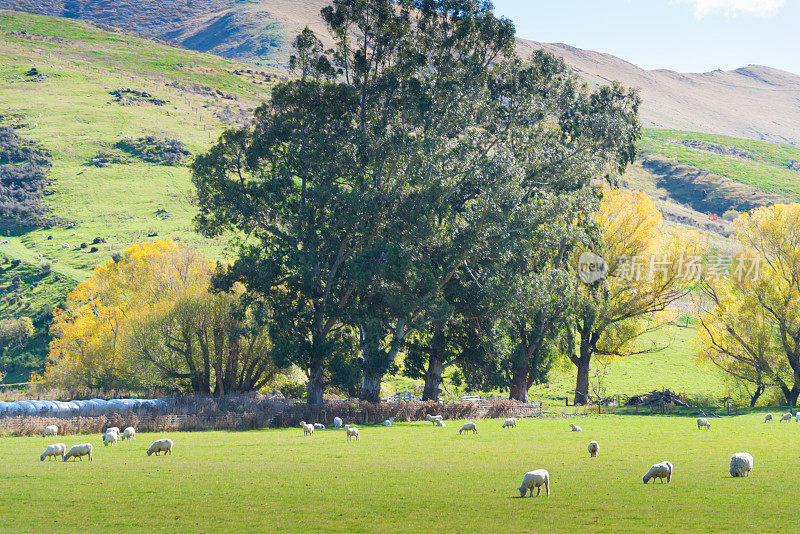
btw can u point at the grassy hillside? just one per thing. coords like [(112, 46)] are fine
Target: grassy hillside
[(68, 110), (759, 167)]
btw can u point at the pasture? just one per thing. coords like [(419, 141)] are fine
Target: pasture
[(412, 477)]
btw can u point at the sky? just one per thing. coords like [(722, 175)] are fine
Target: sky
[(680, 35)]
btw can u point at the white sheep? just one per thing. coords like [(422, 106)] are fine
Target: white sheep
[(50, 430), (741, 464), (593, 448), (337, 422), (112, 429), (768, 418), (388, 422), (307, 429), (160, 445), (434, 418), (661, 471), (575, 428), (440, 423), (110, 438), (319, 426), (535, 479), (129, 433), (53, 451), (510, 422), (786, 417), (351, 432), (79, 451), (64, 245), (702, 422), (466, 427)]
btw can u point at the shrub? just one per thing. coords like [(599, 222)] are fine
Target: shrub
[(731, 215), (84, 245), (161, 151), (116, 256), (46, 268), (93, 249), (98, 240), (15, 262)]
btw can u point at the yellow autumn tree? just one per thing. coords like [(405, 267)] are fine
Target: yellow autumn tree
[(89, 333), (753, 330), (150, 319), (648, 268)]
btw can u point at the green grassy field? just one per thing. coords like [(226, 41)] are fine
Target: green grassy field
[(413, 477)]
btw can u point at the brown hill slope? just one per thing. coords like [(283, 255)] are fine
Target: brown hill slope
[(754, 102)]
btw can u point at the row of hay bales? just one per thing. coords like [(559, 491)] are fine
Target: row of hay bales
[(86, 408)]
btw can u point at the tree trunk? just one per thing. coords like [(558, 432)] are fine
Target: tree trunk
[(433, 379), (792, 394), (756, 395), (519, 386), (316, 384), (371, 387), (582, 382)]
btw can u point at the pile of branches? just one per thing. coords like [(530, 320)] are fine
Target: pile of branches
[(657, 398)]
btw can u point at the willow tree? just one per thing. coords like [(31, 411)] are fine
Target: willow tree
[(755, 325), (648, 268)]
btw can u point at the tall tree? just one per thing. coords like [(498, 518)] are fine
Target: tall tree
[(755, 325), (649, 268)]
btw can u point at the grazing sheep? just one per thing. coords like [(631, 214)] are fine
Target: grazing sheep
[(307, 429), (110, 438), (79, 451), (50, 430), (434, 418), (64, 245), (510, 422), (388, 422), (661, 471), (768, 418), (160, 445), (319, 426), (702, 422), (129, 433), (53, 451), (466, 427), (535, 479), (575, 428), (594, 448), (337, 422), (112, 429), (440, 423), (741, 464), (786, 417), (351, 432)]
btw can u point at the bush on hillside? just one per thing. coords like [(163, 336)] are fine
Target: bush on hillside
[(161, 151)]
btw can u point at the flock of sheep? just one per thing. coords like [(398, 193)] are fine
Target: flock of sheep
[(110, 437), (740, 465)]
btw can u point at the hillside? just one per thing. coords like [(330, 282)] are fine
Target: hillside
[(753, 102), (94, 94)]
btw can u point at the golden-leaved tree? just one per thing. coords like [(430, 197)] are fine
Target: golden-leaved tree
[(753, 331), (649, 268), (148, 319)]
